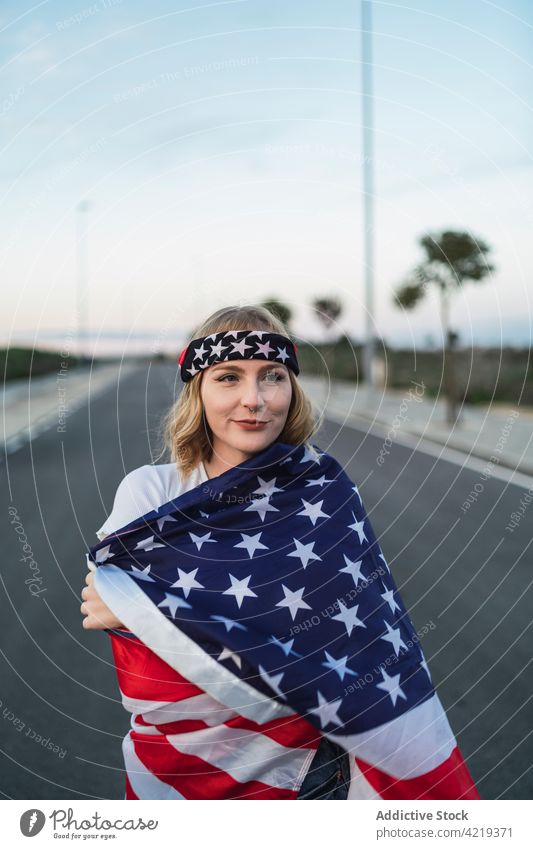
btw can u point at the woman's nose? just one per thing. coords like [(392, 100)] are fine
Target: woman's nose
[(251, 396)]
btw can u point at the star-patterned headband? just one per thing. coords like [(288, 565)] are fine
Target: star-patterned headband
[(236, 345)]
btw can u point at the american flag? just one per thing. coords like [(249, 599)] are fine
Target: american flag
[(261, 616)]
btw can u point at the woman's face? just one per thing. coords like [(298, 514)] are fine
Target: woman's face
[(228, 390)]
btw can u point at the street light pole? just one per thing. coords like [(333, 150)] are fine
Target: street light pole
[(81, 289), (368, 187)]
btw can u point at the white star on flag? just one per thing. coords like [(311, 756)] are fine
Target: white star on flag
[(358, 528), (267, 488), (390, 685), (199, 353), (192, 371), (250, 542), (103, 554), (240, 589), (313, 511), (141, 574), (309, 457), (272, 681), (355, 489), (227, 654), (187, 582), (388, 596), (282, 354), (262, 506), (304, 552), (229, 623), (259, 333), (385, 562), (286, 648), (327, 711), (319, 481), (425, 667), (394, 638), (240, 347), (148, 544), (293, 600), (216, 350), (338, 666), (231, 333), (348, 616), (173, 602), (163, 519), (199, 540), (264, 348), (353, 568)]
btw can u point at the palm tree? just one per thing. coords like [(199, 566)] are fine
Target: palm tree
[(452, 258), (328, 311), (280, 309)]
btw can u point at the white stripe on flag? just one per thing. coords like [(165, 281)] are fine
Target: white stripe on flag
[(246, 755), (359, 787), (144, 783), (410, 745), (195, 707)]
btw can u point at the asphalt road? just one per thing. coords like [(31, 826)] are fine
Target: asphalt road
[(465, 579)]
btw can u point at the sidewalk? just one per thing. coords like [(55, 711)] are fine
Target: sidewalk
[(30, 406), (501, 431)]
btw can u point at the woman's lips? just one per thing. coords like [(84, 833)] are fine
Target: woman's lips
[(250, 424)]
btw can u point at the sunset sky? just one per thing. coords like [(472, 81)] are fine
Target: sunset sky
[(219, 148)]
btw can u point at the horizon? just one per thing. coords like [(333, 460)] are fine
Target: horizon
[(110, 343)]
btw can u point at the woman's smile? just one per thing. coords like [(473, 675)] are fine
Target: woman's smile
[(251, 424)]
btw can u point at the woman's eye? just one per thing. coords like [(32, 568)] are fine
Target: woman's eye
[(270, 377)]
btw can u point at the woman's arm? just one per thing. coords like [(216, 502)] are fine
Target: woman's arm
[(138, 493), (97, 614)]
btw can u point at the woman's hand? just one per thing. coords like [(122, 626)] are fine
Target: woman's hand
[(97, 614)]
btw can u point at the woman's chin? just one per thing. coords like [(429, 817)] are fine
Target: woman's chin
[(255, 442), (251, 441)]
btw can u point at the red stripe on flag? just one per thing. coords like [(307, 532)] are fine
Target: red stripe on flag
[(180, 726), (294, 732), (194, 778), (450, 780), (143, 675)]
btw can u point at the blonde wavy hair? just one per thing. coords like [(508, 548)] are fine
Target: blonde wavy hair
[(185, 431)]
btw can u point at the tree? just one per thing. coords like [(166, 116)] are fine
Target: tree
[(328, 311), (452, 258), (281, 310)]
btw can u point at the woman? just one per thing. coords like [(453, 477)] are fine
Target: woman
[(249, 670)]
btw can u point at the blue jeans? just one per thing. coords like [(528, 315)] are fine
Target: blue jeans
[(329, 774)]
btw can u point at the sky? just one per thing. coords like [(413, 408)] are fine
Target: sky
[(216, 148)]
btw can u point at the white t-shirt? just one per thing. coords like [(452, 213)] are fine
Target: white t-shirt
[(145, 489)]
